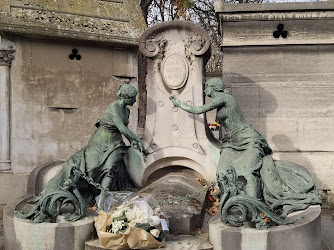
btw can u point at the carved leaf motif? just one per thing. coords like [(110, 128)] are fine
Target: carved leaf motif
[(6, 57)]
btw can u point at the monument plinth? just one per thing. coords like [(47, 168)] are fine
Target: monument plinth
[(304, 234), (24, 234)]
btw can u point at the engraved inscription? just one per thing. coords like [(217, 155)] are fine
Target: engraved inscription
[(175, 71)]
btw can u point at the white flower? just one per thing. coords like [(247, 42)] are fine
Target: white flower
[(155, 232), (137, 211), (117, 214), (120, 210), (135, 215), (131, 214), (157, 210), (117, 225)]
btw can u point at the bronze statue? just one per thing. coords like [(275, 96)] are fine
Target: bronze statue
[(97, 168), (254, 186)]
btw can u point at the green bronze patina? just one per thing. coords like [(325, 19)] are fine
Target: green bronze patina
[(254, 186), (98, 167)]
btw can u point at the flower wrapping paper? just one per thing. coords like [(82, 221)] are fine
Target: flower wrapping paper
[(132, 238)]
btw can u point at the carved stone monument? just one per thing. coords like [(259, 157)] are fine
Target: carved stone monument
[(176, 53), (267, 190), (175, 56)]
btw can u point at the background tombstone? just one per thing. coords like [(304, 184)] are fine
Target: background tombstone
[(176, 53)]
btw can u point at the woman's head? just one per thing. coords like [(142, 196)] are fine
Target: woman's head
[(216, 84), (126, 91)]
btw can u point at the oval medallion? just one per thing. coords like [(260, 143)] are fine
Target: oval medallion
[(174, 71)]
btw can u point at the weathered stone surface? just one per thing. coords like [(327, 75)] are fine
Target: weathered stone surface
[(281, 6), (12, 186), (124, 64), (327, 232), (184, 217), (186, 242), (119, 23), (23, 234), (266, 17), (330, 199), (304, 234)]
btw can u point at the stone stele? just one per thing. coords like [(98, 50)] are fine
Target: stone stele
[(176, 53)]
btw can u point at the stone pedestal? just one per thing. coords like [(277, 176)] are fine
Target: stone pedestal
[(25, 235), (305, 234)]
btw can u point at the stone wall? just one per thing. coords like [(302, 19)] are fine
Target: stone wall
[(56, 100), (284, 85), (109, 21)]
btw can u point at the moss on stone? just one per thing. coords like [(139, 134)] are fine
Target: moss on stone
[(114, 22)]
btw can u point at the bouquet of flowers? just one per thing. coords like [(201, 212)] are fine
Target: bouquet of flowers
[(134, 225)]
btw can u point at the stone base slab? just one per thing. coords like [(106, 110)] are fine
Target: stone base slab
[(305, 234), (183, 217), (25, 235), (173, 242)]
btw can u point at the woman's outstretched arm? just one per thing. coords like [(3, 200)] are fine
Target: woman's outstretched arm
[(116, 118), (215, 103)]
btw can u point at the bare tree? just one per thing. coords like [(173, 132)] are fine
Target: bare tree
[(201, 12)]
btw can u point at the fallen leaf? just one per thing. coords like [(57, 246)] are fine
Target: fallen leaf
[(94, 208), (212, 190), (201, 181)]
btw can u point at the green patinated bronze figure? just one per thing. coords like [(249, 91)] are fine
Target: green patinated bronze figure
[(254, 187), (97, 168)]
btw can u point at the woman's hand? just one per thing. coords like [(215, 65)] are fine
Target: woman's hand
[(139, 145), (175, 101)]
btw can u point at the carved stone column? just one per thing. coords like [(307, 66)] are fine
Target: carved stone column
[(7, 50)]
